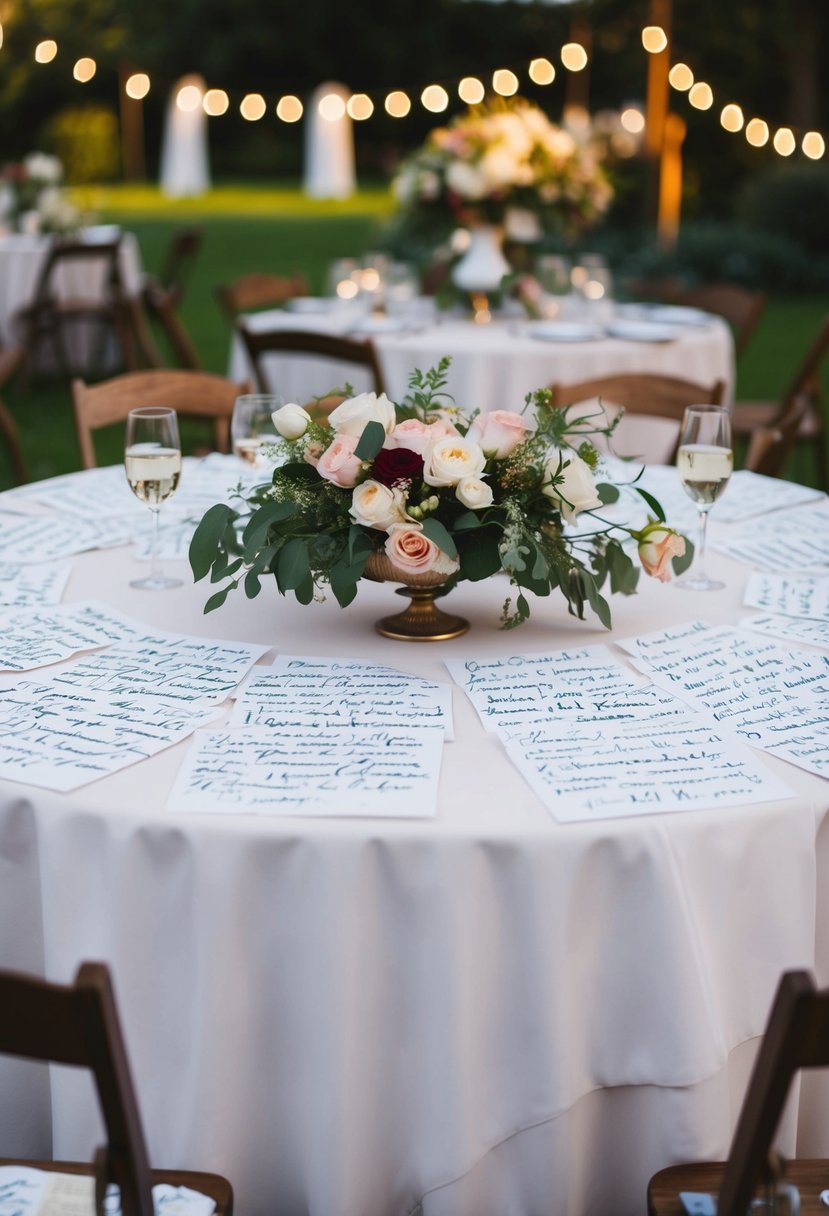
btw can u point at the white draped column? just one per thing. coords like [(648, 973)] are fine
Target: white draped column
[(185, 169), (329, 144)]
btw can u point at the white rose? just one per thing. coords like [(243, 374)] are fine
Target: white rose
[(291, 420), (473, 493), (376, 506), (448, 460), (499, 168), (355, 413), (575, 490), (466, 180)]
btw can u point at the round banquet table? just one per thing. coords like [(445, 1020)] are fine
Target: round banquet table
[(493, 366), (481, 1013)]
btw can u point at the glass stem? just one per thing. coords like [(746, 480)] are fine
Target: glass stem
[(703, 532), (155, 567)]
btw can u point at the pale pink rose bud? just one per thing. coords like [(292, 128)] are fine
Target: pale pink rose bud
[(498, 433), (658, 544), (338, 462)]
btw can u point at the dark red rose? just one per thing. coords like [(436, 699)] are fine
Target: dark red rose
[(396, 464)]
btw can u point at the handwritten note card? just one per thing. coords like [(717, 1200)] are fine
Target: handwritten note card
[(25, 1191), (750, 494), (795, 540), (775, 697), (37, 638), (584, 683), (340, 772), (604, 770), (171, 667), (813, 633), (65, 739), (25, 586), (45, 538), (798, 595), (339, 692)]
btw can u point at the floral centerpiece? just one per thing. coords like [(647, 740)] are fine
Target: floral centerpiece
[(426, 496), (33, 197), (502, 164)]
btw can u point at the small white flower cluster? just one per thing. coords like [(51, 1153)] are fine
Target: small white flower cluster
[(33, 199)]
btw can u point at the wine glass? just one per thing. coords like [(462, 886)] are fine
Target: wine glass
[(252, 428), (152, 461), (705, 462)]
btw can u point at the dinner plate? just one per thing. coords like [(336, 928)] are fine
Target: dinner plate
[(643, 331), (379, 325), (564, 331), (675, 314), (311, 304)]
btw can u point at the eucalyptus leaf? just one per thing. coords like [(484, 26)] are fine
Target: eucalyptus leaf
[(436, 532), (206, 538), (371, 441)]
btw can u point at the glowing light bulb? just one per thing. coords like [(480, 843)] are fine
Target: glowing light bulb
[(45, 51), (574, 56), (700, 96), (504, 82), (84, 69), (434, 98), (632, 120), (813, 145), (215, 102), (471, 90), (784, 142), (542, 71), (252, 107), (654, 39), (137, 86), (731, 118), (757, 132), (360, 107), (397, 104), (189, 98), (332, 107), (681, 77)]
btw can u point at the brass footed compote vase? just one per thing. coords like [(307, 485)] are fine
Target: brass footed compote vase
[(422, 620)]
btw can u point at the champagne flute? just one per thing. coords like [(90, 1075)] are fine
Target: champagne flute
[(152, 461), (252, 428), (705, 462)]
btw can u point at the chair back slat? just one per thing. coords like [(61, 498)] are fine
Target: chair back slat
[(259, 343), (78, 1025), (192, 394), (796, 1036), (259, 290)]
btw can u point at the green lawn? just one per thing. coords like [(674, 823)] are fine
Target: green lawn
[(253, 228)]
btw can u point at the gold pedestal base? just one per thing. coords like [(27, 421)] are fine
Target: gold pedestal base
[(422, 621)]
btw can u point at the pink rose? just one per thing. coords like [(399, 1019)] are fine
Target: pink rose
[(338, 462), (658, 544), (498, 433), (412, 434), (412, 552)]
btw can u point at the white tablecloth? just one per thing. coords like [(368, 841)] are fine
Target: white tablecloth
[(493, 366), (21, 261), (489, 1012)]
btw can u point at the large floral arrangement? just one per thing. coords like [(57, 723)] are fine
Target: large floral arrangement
[(438, 492), (34, 199), (504, 163)]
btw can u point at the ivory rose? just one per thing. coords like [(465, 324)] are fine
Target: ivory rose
[(413, 553), (338, 462), (658, 544), (473, 493), (352, 416), (376, 506), (291, 420), (568, 481), (452, 458), (498, 433)]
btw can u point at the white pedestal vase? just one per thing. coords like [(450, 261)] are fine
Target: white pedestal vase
[(483, 266)]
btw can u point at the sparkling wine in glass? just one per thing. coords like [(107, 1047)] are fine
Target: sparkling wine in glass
[(252, 429), (152, 461), (705, 462)]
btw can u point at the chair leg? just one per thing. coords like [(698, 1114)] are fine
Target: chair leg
[(9, 431)]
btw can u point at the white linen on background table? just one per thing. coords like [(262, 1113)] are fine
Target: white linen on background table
[(493, 366), (355, 1016)]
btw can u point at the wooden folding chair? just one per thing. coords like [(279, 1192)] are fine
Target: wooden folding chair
[(258, 344), (642, 393), (741, 308), (54, 319), (769, 448), (162, 295), (78, 1025), (796, 1036), (192, 394), (251, 292), (751, 416), (11, 358)]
